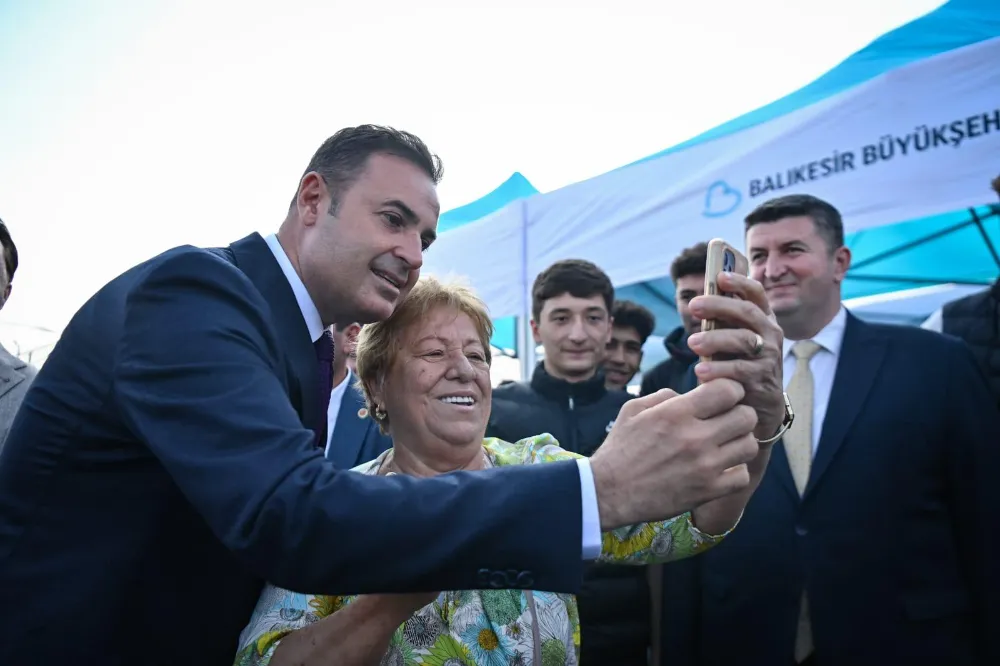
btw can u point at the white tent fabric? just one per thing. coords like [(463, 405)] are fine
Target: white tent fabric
[(917, 141)]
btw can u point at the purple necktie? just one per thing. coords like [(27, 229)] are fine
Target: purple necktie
[(324, 356)]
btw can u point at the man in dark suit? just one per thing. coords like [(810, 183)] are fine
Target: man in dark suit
[(168, 457), (353, 436), (872, 538)]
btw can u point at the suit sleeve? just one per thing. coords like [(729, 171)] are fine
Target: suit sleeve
[(200, 381), (974, 450), (644, 543)]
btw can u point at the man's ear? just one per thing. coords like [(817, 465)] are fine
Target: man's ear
[(351, 337), (534, 332), (842, 263)]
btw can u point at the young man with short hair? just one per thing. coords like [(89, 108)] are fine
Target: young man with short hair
[(572, 302), (688, 273), (631, 326)]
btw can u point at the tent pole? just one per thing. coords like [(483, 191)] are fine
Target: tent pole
[(986, 236), (527, 340)]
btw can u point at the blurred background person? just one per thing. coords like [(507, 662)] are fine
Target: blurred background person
[(976, 319), (631, 326), (688, 274), (15, 374), (353, 436)]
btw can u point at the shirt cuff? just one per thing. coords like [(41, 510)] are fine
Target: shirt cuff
[(591, 514)]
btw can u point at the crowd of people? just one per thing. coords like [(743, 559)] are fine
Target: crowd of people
[(289, 451)]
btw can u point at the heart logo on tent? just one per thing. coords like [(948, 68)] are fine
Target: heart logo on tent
[(721, 199)]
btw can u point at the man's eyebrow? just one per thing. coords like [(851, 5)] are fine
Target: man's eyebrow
[(407, 212)]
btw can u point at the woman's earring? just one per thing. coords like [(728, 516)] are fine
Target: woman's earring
[(379, 414)]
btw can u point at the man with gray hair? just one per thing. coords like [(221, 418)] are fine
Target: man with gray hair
[(15, 374)]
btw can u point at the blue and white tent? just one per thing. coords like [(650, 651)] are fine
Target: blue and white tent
[(903, 137), (513, 189)]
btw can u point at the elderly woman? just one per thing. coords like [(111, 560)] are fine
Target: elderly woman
[(425, 373)]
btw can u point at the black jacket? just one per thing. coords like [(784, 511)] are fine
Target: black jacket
[(614, 600), (579, 414), (671, 372), (976, 319)]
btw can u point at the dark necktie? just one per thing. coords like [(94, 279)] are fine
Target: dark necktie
[(324, 357)]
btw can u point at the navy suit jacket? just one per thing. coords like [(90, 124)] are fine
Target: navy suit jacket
[(894, 539), (356, 437), (162, 465)]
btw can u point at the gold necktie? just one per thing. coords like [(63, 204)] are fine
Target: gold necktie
[(799, 449), (798, 440)]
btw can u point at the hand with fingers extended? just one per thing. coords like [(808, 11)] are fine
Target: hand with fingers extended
[(667, 454), (751, 346)]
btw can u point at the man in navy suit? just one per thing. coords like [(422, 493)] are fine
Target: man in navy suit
[(168, 457), (353, 436), (872, 538)]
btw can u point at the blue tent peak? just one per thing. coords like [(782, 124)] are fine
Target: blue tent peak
[(951, 26), (514, 188)]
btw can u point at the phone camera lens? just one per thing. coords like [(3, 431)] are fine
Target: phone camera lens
[(728, 261)]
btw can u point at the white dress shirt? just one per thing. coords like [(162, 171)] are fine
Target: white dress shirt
[(588, 491), (309, 312), (823, 366), (935, 322), (333, 411)]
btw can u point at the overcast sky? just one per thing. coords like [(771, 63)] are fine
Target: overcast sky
[(126, 130)]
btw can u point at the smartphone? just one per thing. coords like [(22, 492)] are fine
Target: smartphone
[(722, 257)]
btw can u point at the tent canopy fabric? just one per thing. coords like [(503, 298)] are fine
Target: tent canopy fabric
[(951, 26), (936, 73), (514, 188)]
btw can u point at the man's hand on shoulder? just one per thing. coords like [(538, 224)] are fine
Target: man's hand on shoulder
[(667, 454)]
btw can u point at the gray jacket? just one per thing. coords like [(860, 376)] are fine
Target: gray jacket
[(15, 378)]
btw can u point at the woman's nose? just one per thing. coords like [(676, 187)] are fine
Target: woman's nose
[(461, 368)]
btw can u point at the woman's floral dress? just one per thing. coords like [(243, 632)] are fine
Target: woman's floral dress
[(481, 627)]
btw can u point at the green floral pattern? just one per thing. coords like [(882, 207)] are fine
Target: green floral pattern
[(483, 627)]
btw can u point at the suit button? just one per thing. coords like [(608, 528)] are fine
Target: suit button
[(800, 530)]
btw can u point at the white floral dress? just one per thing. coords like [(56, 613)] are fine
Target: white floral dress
[(481, 627)]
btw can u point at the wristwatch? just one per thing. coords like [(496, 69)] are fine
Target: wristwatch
[(786, 423)]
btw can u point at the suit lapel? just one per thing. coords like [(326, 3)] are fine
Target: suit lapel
[(9, 378), (254, 258), (10, 371), (779, 469), (861, 356), (349, 435)]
